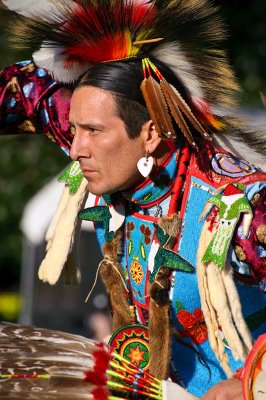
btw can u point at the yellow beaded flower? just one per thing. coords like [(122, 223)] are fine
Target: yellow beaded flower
[(136, 271)]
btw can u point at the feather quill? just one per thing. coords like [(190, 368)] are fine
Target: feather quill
[(179, 119), (157, 107), (176, 98)]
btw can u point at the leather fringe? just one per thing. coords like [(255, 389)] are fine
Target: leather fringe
[(111, 274), (159, 318), (159, 325)]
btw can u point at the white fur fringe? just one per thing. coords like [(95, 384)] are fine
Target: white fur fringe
[(60, 235)]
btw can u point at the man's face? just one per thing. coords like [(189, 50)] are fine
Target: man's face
[(107, 157)]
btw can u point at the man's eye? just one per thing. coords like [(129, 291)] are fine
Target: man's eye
[(93, 130)]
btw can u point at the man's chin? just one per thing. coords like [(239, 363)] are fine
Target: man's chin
[(97, 190)]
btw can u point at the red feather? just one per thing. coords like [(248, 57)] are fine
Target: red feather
[(95, 40), (102, 359), (204, 113), (109, 48), (100, 393), (142, 14), (95, 377)]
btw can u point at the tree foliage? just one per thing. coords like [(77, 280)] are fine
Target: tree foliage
[(26, 163), (246, 21)]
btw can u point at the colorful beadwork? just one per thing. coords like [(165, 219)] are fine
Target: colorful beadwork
[(158, 187), (231, 204), (136, 271), (132, 343), (138, 224), (193, 324), (229, 165), (137, 256), (72, 176), (112, 217), (160, 257)]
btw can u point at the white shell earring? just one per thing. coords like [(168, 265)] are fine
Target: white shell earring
[(145, 165)]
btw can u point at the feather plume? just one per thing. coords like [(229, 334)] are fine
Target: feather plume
[(172, 54), (41, 352), (88, 31), (53, 60), (40, 363), (245, 143), (197, 31), (157, 107)]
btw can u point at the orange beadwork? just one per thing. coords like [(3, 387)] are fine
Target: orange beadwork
[(136, 271)]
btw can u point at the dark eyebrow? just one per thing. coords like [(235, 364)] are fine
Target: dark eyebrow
[(88, 125)]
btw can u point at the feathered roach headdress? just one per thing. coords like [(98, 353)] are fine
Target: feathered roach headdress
[(70, 36)]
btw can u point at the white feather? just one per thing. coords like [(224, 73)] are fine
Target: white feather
[(254, 123), (36, 8), (30, 8), (47, 57), (52, 60), (172, 55), (236, 146)]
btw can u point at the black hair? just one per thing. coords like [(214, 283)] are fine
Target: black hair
[(123, 79)]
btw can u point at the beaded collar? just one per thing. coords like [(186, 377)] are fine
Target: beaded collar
[(157, 186)]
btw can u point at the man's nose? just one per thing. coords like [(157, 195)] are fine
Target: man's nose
[(74, 148), (77, 146)]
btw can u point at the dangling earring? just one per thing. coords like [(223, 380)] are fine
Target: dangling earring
[(145, 165)]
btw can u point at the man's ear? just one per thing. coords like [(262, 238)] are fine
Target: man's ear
[(151, 136)]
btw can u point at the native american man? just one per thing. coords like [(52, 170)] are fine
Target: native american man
[(180, 219)]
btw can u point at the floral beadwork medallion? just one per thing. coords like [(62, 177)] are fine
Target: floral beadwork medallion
[(132, 343)]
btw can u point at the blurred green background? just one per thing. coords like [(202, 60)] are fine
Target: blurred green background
[(246, 21), (26, 163)]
